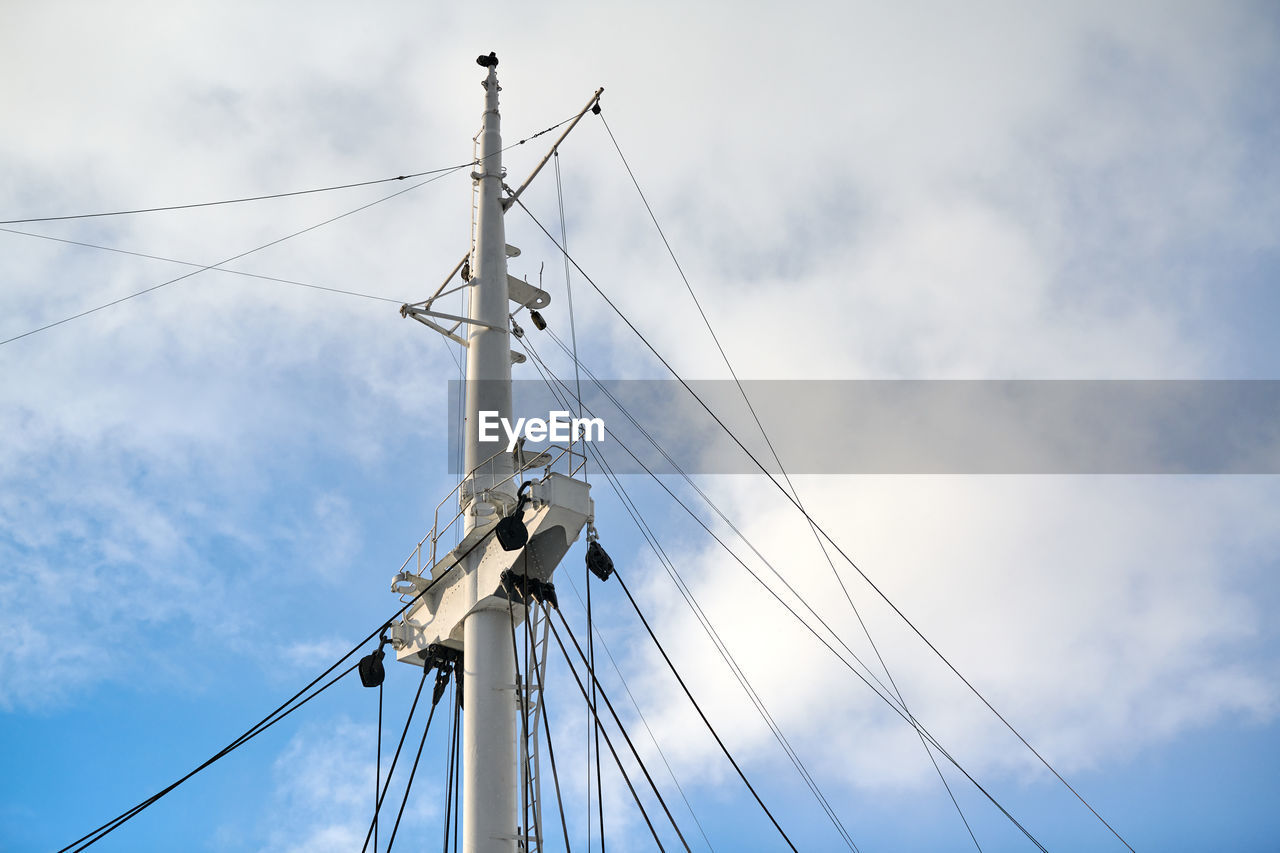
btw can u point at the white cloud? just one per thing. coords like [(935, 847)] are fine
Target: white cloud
[(1081, 190), (1100, 615), (323, 797)]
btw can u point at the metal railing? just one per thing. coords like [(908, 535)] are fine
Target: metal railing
[(573, 462)]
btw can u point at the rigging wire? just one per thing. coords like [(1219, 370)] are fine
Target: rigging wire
[(639, 713), (201, 266), (443, 169), (268, 721), (703, 620), (825, 535), (185, 276), (436, 175), (551, 753), (231, 200), (772, 450), (595, 716), (442, 680), (611, 478), (524, 700), (377, 773), (607, 740), (621, 728), (377, 809), (452, 766), (885, 696), (719, 512), (568, 291)]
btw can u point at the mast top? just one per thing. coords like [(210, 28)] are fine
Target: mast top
[(490, 61)]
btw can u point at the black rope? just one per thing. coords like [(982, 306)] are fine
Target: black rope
[(457, 760), (394, 759), (695, 607), (265, 723), (451, 768), (621, 728), (271, 719), (377, 773), (551, 752), (824, 533), (531, 659), (607, 740), (442, 679), (526, 778), (640, 714), (595, 716), (698, 708)]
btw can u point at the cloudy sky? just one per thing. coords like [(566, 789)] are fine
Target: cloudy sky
[(205, 490)]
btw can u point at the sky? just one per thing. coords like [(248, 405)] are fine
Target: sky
[(205, 490)]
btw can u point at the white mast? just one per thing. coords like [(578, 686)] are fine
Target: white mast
[(489, 771), (475, 595)]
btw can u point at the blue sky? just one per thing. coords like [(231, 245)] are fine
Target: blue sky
[(204, 491)]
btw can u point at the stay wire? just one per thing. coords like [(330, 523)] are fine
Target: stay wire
[(595, 716), (444, 169), (657, 792), (703, 621), (727, 656), (523, 699), (377, 773), (607, 740), (705, 721), (451, 766), (437, 175), (237, 257), (202, 267), (115, 823), (568, 291), (435, 703), (723, 517), (266, 722), (626, 590), (551, 753), (826, 535), (531, 659), (394, 760), (640, 714), (457, 773), (884, 696), (230, 200), (772, 450)]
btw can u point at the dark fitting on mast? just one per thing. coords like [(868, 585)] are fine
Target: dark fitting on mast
[(598, 561), (536, 317), (511, 532), (371, 670), (490, 61)]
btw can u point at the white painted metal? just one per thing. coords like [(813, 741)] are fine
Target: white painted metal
[(559, 507), (489, 774), (467, 608), (595, 98)]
